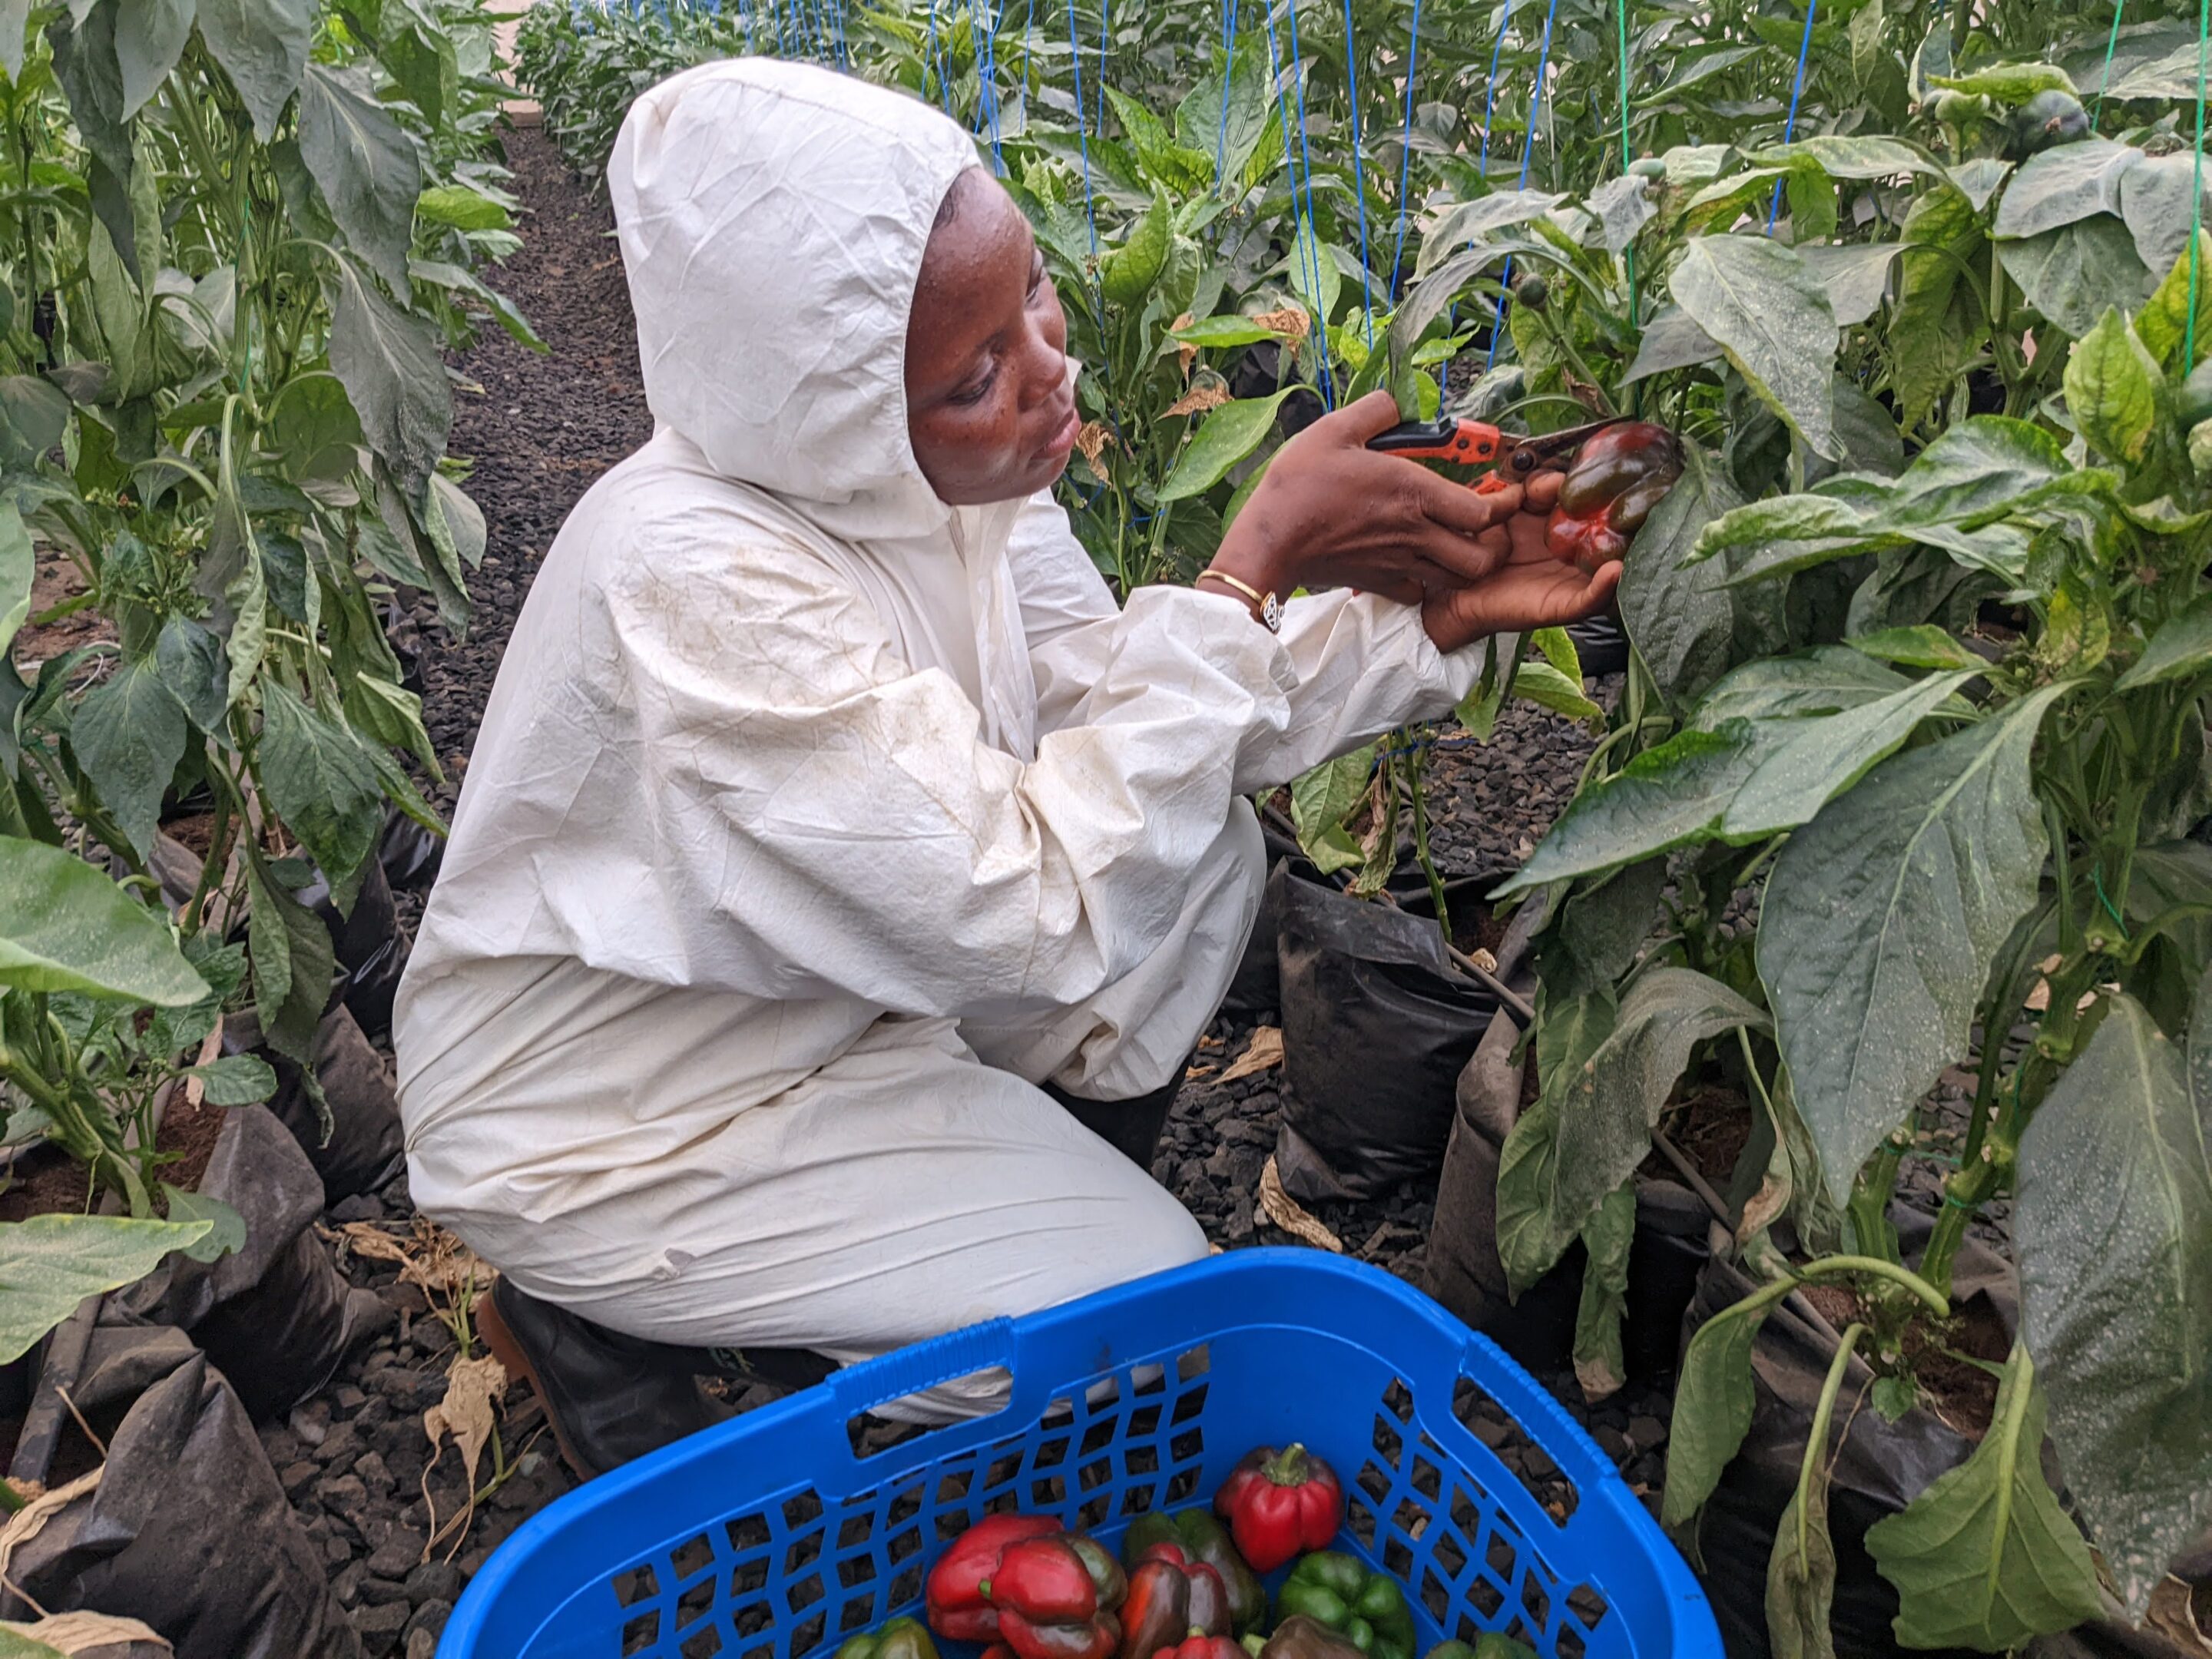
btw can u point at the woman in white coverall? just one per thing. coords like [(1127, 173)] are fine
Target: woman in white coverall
[(826, 806)]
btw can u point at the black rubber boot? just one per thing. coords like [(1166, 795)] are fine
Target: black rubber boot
[(1131, 1127), (610, 1397)]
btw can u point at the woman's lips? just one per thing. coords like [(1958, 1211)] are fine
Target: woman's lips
[(1063, 437)]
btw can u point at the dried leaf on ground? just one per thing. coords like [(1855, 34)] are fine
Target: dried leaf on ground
[(473, 1390), (1199, 398), (430, 1257), (1264, 1052), (30, 1521), (1293, 1218), (92, 1633), (2173, 1615)]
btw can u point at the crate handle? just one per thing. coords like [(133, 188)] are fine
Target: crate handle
[(924, 1365)]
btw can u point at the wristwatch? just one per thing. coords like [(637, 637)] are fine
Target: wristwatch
[(1269, 607)]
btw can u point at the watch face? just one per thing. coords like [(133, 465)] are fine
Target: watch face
[(1270, 613)]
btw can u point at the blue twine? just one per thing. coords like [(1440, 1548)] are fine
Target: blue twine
[(1083, 143), (1358, 173), (1228, 10), (929, 61), (1029, 54), (1490, 91), (1309, 253), (1797, 90), (986, 74), (1527, 155), (1405, 152)]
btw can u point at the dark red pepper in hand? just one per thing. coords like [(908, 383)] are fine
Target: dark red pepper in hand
[(1023, 1580), (1279, 1505), (1620, 475), (1170, 1597)]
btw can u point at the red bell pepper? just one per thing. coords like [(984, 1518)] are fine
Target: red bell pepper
[(1170, 1597), (1023, 1580), (1204, 1647), (1279, 1505)]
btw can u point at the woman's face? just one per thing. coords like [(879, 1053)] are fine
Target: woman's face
[(989, 410)]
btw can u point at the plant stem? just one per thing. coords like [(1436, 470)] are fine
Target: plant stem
[(1835, 1267), (1816, 1442)]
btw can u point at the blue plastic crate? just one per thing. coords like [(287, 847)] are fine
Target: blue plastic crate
[(767, 1538)]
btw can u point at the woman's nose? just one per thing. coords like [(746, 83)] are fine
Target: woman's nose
[(1045, 355)]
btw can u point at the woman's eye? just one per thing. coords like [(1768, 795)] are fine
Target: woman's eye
[(976, 393)]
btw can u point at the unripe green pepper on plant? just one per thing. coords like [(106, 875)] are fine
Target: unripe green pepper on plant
[(1621, 474), (1367, 1608)]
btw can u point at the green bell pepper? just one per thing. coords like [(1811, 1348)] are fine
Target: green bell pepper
[(900, 1638), (1336, 1590), (1488, 1645)]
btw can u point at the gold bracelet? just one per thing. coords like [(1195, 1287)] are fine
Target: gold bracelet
[(1270, 612)]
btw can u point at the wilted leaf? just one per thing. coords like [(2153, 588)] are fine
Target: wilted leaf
[(1880, 921), (2112, 1224), (1601, 1367), (51, 1262), (1984, 1558), (1713, 1403), (1801, 1573), (69, 1634)]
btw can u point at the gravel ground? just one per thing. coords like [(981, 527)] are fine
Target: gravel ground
[(355, 1459)]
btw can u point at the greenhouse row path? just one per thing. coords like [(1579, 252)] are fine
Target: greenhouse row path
[(538, 429)]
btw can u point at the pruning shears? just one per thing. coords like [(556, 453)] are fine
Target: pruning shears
[(1478, 443)]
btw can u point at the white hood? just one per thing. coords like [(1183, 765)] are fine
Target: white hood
[(772, 218)]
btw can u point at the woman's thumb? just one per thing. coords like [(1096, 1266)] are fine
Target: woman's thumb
[(1370, 417)]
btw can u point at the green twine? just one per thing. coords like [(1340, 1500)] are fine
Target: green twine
[(2196, 192), (2097, 873), (2111, 42), (1627, 151)]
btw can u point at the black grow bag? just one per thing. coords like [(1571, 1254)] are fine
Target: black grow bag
[(364, 1146), (1377, 1026), (1600, 644), (1465, 1273)]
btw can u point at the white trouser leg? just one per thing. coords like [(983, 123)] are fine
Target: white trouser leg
[(1128, 1039)]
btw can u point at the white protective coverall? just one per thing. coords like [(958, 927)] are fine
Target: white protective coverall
[(813, 822)]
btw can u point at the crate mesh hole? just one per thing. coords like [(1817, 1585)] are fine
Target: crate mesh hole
[(1141, 1460), (641, 1632), (1524, 1460), (906, 1587), (1361, 1519), (1451, 1556), (1089, 1477), (1468, 1629), (1534, 1601), (1436, 1595), (1519, 1632), (700, 1643), (859, 1528), (1410, 1518), (1489, 1600), (1094, 1513), (689, 1556), (953, 1485), (905, 1543), (750, 1578), (1192, 1363), (1374, 1482), (1152, 1380), (856, 1570), (1048, 1492), (754, 1620), (1587, 1605), (636, 1585), (1189, 1404), (1183, 1485), (803, 1592), (1428, 1479), (1099, 1436), (762, 1652), (1144, 1421), (860, 1612), (949, 1526), (808, 1636), (1571, 1644), (1500, 1556), (1464, 1513), (906, 1506), (1187, 1445), (1388, 1441), (803, 1552), (802, 1511), (1398, 1400), (1136, 1500), (1051, 1454), (1002, 1471), (1397, 1559), (694, 1603)]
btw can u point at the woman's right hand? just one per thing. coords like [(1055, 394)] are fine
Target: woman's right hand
[(1332, 513)]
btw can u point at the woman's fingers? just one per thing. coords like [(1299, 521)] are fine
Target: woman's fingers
[(1469, 512), (1541, 493), (1356, 422)]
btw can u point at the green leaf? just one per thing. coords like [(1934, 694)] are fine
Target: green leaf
[(226, 1227), (262, 46), (235, 1080), (321, 781), (1224, 331), (2183, 645), (1532, 1233), (51, 1262), (1812, 762), (65, 926), (314, 428), (1601, 1367), (1484, 217), (1127, 274), (190, 662), (2112, 388), (1769, 313), (1713, 1401), (1881, 920), (1823, 681), (365, 164), (390, 363), (2071, 274), (1923, 644), (2112, 1224), (293, 963), (1937, 313), (1855, 157), (1623, 207), (1225, 437), (2065, 184), (2009, 83), (462, 208), (2155, 207), (1855, 276), (128, 734), (150, 37), (1670, 341), (1984, 1558), (1542, 684), (2163, 323), (1313, 273), (14, 1644), (35, 413), (1682, 617), (1321, 799), (18, 567)]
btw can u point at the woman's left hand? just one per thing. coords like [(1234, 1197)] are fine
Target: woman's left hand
[(1531, 589)]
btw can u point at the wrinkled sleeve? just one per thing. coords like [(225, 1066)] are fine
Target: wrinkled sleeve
[(837, 816), (1360, 664)]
